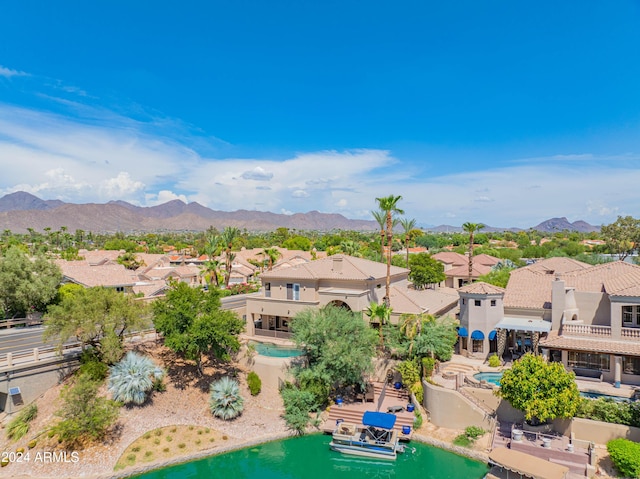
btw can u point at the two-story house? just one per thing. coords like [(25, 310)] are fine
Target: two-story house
[(345, 281), (587, 317)]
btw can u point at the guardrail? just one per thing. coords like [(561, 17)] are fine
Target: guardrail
[(35, 355), (267, 333), (12, 323)]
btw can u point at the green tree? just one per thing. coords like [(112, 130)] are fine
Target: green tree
[(379, 314), (541, 389), (130, 261), (389, 204), (193, 324), (338, 344), (227, 238), (497, 277), (436, 339), (85, 415), (271, 254), (27, 285), (425, 270), (408, 226), (297, 243), (471, 228), (97, 317), (381, 219), (622, 236)]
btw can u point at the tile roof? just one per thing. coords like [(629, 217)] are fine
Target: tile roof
[(530, 287), (463, 271), (481, 288), (449, 257), (486, 259), (338, 266), (593, 345), (109, 275), (434, 301)]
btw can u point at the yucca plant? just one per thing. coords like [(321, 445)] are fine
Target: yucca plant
[(132, 378), (225, 401)]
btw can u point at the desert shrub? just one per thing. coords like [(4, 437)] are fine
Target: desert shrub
[(85, 416), (225, 400), (418, 391), (474, 432), (182, 445), (19, 426), (417, 420), (148, 453), (428, 364), (298, 405), (625, 455), (410, 371), (463, 441), (494, 361), (33, 443), (317, 383), (132, 378), (96, 370), (254, 383), (608, 410)]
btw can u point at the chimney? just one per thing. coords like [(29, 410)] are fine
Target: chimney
[(337, 264)]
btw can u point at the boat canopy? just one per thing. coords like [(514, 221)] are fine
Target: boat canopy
[(379, 419)]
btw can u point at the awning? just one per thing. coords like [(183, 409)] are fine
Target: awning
[(477, 334), (379, 419), (492, 335), (525, 324), (462, 332), (527, 465)]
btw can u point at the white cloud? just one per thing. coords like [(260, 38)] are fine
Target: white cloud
[(300, 194), (342, 203), (164, 196), (8, 72), (121, 186), (258, 174), (483, 199)]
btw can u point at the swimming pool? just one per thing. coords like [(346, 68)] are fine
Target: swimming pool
[(594, 395), (275, 350), (493, 378)]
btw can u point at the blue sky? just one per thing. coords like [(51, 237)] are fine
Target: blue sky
[(500, 112)]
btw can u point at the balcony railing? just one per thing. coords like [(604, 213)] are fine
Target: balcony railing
[(598, 332), (586, 330), (270, 333)]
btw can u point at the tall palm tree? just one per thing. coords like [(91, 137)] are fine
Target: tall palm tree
[(381, 218), (382, 313), (273, 254), (411, 326), (407, 226), (228, 236), (389, 204), (471, 228)]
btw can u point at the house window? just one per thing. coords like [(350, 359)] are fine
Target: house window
[(477, 345), (630, 316), (120, 289), (477, 302), (578, 359), (267, 290), (293, 291), (631, 365), (493, 302), (464, 301)]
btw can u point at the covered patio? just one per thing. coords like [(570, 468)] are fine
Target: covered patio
[(519, 335)]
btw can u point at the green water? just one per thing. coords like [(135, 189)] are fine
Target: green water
[(309, 457)]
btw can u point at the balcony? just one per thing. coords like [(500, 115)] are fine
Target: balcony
[(600, 332)]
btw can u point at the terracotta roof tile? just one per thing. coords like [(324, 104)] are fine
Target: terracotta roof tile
[(482, 288), (594, 345)]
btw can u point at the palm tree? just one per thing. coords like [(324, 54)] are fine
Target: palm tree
[(273, 254), (411, 326), (407, 226), (389, 205), (225, 401), (229, 234), (471, 228), (382, 312), (350, 248), (381, 218)]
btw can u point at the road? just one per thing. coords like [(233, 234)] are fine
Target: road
[(21, 339), (14, 340)]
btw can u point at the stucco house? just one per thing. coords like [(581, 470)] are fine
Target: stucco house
[(342, 280), (587, 317), (456, 267)]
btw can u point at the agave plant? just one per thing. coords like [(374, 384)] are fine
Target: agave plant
[(225, 401), (132, 378)]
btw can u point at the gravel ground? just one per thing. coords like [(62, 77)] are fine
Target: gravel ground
[(185, 401)]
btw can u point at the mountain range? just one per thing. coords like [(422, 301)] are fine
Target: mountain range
[(20, 211)]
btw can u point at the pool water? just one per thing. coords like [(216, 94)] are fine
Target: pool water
[(594, 395), (309, 457), (276, 351), (493, 378)]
